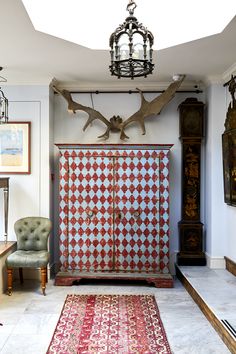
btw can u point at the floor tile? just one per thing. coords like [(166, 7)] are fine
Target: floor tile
[(29, 318)]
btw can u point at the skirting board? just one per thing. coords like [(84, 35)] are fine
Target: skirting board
[(215, 262), (212, 262)]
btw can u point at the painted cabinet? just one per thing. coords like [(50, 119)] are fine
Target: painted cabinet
[(114, 213)]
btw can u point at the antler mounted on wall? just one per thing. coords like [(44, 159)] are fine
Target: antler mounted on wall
[(116, 124)]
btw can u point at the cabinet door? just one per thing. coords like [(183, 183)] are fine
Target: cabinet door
[(90, 239), (136, 222)]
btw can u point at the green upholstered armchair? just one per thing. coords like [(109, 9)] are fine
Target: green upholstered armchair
[(32, 248)]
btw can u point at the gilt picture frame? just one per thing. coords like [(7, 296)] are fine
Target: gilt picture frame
[(15, 140)]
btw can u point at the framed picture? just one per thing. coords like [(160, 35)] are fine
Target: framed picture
[(229, 147), (15, 148), (229, 166)]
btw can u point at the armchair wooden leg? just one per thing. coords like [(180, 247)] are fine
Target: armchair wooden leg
[(46, 275), (21, 275), (43, 279), (9, 281)]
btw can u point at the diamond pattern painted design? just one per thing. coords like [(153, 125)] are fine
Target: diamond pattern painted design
[(90, 213), (137, 214), (114, 209)]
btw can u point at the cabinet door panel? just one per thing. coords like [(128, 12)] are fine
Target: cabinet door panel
[(90, 239), (136, 221)]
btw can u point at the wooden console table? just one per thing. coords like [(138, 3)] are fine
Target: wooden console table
[(4, 183)]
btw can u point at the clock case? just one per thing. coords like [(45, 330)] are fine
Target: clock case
[(191, 126)]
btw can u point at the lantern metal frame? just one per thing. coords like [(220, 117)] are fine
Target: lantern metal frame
[(3, 108), (131, 67), (3, 103)]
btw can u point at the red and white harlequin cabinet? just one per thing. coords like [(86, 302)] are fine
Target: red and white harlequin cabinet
[(114, 213)]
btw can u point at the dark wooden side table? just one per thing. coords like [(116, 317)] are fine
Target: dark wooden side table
[(4, 183)]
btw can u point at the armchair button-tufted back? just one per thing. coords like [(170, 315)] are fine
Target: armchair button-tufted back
[(32, 233)]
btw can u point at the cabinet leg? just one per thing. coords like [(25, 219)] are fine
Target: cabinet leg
[(161, 283), (66, 281)]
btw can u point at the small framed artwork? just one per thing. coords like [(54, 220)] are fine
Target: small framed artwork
[(15, 148)]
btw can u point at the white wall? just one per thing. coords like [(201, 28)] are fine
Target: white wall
[(220, 218), (29, 195), (160, 129), (32, 194)]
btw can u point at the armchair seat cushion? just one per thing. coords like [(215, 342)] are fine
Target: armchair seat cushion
[(28, 259)]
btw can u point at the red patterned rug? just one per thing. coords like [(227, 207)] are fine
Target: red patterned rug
[(111, 324)]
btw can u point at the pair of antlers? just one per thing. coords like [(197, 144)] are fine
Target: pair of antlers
[(116, 123)]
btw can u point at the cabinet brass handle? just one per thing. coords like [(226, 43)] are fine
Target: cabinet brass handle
[(136, 214), (90, 213), (119, 215)]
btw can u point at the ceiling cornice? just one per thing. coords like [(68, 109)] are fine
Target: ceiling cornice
[(221, 79), (213, 80), (230, 71), (44, 81)]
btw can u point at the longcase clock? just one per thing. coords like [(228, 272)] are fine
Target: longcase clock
[(190, 226)]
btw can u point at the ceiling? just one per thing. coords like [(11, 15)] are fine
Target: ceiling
[(31, 57)]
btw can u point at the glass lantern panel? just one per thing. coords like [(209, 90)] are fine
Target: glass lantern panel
[(137, 52), (148, 49), (123, 51)]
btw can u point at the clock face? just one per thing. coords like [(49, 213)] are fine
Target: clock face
[(191, 123)]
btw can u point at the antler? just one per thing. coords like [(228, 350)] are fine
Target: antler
[(154, 107), (115, 124), (93, 114)]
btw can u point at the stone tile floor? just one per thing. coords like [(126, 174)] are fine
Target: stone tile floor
[(29, 318)]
